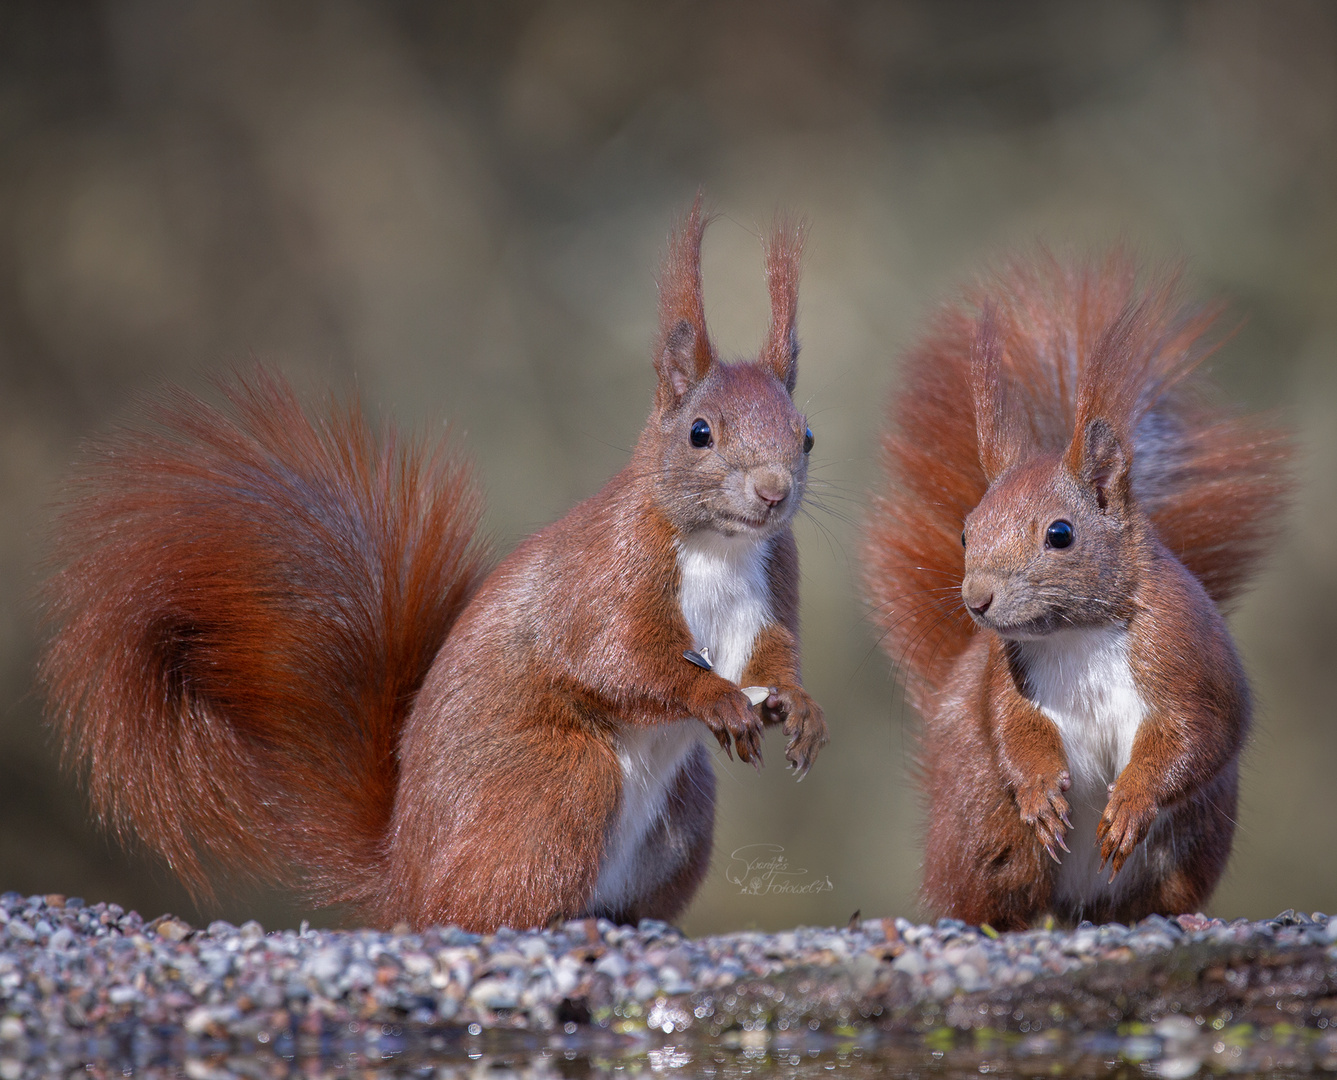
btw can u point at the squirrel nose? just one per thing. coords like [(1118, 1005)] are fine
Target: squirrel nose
[(772, 486), (977, 596)]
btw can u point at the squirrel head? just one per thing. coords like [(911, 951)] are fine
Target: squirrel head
[(1053, 543), (726, 447), (1056, 541)]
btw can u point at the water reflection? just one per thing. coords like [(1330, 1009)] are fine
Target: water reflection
[(1172, 1052)]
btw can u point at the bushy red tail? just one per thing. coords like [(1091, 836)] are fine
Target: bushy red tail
[(1031, 353), (244, 604)]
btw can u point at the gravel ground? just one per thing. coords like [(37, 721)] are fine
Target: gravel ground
[(81, 983)]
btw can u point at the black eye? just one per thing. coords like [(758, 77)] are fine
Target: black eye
[(1059, 534), (700, 433), (963, 537), (807, 440)]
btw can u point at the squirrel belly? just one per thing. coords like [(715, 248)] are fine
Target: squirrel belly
[(723, 596), (643, 850), (1082, 680)]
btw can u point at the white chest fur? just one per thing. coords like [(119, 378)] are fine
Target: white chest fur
[(725, 601), (1082, 681), (724, 596), (650, 758)]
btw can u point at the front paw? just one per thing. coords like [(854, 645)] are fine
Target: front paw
[(735, 722), (803, 725), (1128, 818), (1043, 807)]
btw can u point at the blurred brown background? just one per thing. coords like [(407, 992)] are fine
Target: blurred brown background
[(458, 209)]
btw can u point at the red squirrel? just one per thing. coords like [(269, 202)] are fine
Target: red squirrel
[(278, 649), (1064, 511)]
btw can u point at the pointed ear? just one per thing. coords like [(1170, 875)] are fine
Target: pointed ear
[(683, 353), (784, 251), (989, 394), (1002, 435), (1104, 463)]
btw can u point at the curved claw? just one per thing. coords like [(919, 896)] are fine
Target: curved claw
[(749, 748), (1124, 826), (803, 724), (1043, 807), (734, 722)]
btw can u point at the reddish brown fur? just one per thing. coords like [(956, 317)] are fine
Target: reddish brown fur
[(682, 309), (985, 864), (994, 769), (183, 681), (784, 251), (274, 649), (1217, 507), (611, 654), (1078, 375)]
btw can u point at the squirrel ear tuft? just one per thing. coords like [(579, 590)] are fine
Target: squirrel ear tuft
[(1002, 435), (683, 354), (1105, 464), (784, 251)]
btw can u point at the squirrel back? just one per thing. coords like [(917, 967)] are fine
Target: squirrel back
[(1038, 348), (245, 601)]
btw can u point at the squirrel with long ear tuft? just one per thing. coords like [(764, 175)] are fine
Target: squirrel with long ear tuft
[(1064, 512), (278, 648)]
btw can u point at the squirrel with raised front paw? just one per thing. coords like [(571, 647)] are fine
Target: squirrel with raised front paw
[(1064, 513), (278, 648)]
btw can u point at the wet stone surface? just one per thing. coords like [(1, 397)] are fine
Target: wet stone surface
[(92, 983)]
